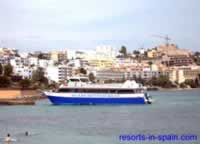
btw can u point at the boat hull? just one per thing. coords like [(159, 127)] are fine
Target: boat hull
[(57, 100)]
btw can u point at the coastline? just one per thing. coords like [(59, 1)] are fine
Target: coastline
[(20, 96), (175, 89)]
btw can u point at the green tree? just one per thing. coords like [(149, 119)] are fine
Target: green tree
[(183, 85), (123, 51), (162, 81), (4, 81), (198, 79), (53, 85), (139, 80), (153, 81), (8, 70), (1, 69), (25, 83), (145, 54), (40, 56), (197, 54), (82, 71), (191, 83), (91, 77), (43, 56), (136, 52), (150, 63), (38, 77), (196, 57), (16, 78)]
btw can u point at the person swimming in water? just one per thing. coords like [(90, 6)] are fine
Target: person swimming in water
[(26, 133), (8, 138)]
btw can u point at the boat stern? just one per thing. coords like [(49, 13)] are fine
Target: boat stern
[(148, 98)]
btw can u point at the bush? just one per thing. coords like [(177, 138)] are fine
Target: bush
[(25, 83), (4, 81), (82, 71), (162, 81), (183, 85), (53, 85), (8, 70), (91, 77), (16, 78), (191, 83), (1, 69), (39, 79)]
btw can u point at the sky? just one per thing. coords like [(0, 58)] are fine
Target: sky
[(44, 25)]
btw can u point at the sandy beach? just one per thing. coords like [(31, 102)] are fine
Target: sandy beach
[(18, 93)]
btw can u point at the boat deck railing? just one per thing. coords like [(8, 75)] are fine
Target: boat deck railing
[(84, 85)]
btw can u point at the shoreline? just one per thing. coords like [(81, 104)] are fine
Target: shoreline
[(20, 96), (22, 101), (174, 89)]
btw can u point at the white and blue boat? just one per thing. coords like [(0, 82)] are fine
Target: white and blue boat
[(80, 92)]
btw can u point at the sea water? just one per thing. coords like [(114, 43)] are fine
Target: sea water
[(173, 112)]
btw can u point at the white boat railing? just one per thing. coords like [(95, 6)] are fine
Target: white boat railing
[(113, 85)]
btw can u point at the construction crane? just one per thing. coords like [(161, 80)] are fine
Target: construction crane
[(166, 38)]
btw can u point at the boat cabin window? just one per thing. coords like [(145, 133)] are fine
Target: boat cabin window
[(74, 80), (84, 80), (94, 90), (126, 91)]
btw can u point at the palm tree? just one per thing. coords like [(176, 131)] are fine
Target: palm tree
[(150, 64)]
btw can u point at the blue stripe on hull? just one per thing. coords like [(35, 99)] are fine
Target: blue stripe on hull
[(86, 101)]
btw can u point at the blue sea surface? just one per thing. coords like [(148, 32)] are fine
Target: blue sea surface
[(173, 112)]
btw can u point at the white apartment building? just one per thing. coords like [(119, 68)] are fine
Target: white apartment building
[(142, 51), (23, 71), (4, 59), (58, 73), (21, 68), (24, 55), (71, 54), (8, 51), (78, 63), (33, 61), (106, 51), (58, 56), (43, 63), (85, 54), (16, 62), (148, 74), (109, 75), (177, 76), (101, 52)]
